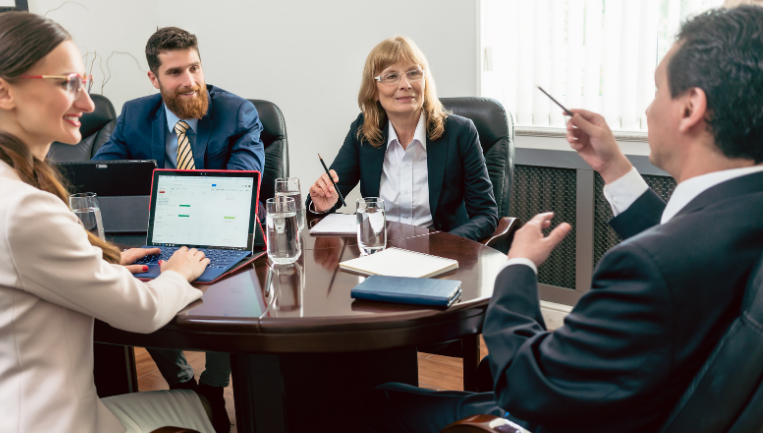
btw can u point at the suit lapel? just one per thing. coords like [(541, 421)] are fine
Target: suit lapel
[(204, 132), (159, 136), (437, 155), (372, 165)]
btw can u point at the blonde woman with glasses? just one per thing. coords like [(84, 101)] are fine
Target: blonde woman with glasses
[(427, 165)]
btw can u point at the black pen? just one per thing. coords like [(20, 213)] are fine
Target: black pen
[(339, 193), (570, 113)]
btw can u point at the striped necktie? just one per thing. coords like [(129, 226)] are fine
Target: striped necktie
[(185, 153)]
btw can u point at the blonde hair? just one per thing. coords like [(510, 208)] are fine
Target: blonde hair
[(734, 3), (388, 52)]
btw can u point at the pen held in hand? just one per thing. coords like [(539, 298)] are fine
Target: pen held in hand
[(339, 193), (569, 113)]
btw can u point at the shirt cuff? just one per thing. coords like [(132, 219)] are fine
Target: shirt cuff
[(520, 261), (311, 208), (623, 192)]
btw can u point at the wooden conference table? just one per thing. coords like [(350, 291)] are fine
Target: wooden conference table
[(303, 352)]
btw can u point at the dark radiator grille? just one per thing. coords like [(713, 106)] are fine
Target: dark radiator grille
[(604, 237), (540, 189)]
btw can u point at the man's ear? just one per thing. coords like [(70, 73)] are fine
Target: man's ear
[(7, 101), (154, 79), (693, 109)]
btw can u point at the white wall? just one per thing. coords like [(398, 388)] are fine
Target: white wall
[(304, 55)]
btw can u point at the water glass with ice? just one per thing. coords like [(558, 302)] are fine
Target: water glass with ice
[(85, 206), (284, 245), (371, 225), (289, 187)]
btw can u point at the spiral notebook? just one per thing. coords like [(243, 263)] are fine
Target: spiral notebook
[(397, 262)]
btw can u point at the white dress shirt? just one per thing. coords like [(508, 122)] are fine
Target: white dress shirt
[(405, 178), (623, 192), (171, 140)]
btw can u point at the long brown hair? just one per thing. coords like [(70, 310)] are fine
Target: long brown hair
[(25, 39), (387, 53)]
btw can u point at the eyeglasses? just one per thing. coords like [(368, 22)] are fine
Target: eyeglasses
[(394, 77), (74, 82)]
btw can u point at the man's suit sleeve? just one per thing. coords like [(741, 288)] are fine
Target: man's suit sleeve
[(478, 190), (116, 148), (644, 213), (248, 152), (613, 349)]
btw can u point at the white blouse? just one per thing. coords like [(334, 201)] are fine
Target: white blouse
[(52, 284), (405, 178)]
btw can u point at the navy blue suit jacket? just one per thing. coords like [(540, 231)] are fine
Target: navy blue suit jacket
[(460, 192), (658, 305), (227, 137)]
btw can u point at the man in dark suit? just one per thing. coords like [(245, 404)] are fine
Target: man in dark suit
[(660, 300), (189, 125)]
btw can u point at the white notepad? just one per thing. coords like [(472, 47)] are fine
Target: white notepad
[(397, 262), (335, 224)]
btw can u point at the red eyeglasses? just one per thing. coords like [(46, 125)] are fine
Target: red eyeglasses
[(74, 82)]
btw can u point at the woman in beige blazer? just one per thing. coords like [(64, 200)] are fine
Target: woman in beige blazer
[(54, 276)]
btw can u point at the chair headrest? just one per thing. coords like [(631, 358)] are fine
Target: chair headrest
[(103, 114), (488, 116), (273, 124)]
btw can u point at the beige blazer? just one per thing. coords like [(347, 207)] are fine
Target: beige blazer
[(52, 284)]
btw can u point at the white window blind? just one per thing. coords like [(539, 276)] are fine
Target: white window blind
[(593, 54)]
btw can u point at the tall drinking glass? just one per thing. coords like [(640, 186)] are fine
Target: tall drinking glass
[(371, 225), (289, 187), (85, 206), (283, 240)]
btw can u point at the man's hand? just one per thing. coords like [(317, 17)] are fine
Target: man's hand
[(529, 242), (130, 256), (590, 136)]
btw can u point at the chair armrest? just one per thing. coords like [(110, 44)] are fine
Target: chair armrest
[(483, 424), (174, 430), (507, 226)]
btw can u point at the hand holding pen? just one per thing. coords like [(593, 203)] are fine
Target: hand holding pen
[(324, 192)]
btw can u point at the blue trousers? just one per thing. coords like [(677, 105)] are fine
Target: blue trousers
[(175, 368)]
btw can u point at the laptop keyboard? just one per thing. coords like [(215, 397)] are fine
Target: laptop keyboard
[(218, 259)]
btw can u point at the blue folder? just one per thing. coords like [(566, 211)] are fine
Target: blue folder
[(402, 290)]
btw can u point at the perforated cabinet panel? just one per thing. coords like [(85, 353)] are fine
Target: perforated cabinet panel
[(541, 189), (604, 237)]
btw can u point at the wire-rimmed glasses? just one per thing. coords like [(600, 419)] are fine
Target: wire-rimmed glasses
[(394, 77), (74, 82)]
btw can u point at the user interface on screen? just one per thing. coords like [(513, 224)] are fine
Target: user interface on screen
[(203, 210)]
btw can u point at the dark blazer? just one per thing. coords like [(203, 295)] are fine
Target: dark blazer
[(659, 303), (227, 137), (460, 193)]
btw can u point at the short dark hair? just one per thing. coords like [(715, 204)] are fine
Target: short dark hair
[(165, 39), (721, 52)]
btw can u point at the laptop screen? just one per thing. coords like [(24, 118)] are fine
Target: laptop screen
[(209, 209)]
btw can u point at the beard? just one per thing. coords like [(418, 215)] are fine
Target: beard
[(183, 106)]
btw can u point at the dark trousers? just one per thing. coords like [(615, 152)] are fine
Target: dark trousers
[(400, 408)]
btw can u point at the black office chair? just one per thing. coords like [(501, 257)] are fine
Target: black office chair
[(276, 146), (96, 129), (495, 127), (726, 394)]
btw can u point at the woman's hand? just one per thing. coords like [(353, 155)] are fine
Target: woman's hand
[(128, 257), (188, 263), (322, 192)]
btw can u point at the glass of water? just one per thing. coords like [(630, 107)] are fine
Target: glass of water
[(371, 225), (284, 245), (85, 206), (289, 187)]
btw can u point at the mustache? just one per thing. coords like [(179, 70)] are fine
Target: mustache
[(182, 90)]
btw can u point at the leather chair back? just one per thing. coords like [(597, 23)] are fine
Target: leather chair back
[(276, 146), (495, 127), (726, 395), (96, 129)]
